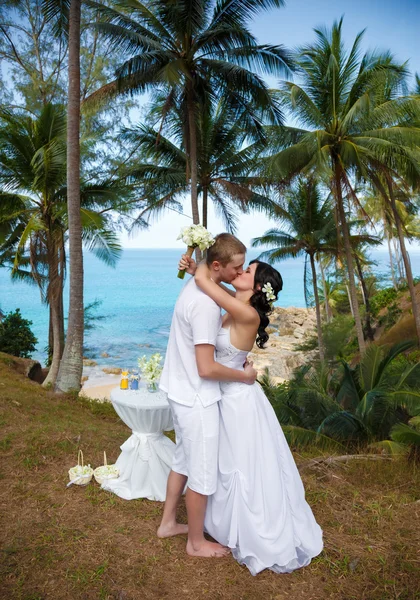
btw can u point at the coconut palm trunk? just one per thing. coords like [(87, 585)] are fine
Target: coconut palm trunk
[(328, 315), (54, 301), (70, 373), (349, 259), (391, 260), (398, 260), (368, 325), (193, 158), (205, 206), (192, 125), (406, 260), (317, 308)]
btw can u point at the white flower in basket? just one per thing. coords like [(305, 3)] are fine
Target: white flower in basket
[(194, 236), (106, 472), (80, 474)]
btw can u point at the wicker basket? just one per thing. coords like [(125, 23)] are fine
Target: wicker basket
[(101, 475), (75, 474)]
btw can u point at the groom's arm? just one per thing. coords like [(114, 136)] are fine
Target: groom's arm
[(208, 368)]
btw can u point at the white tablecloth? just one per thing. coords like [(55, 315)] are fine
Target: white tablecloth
[(146, 457)]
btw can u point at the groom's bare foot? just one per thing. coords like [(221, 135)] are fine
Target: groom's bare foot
[(207, 549), (165, 531)]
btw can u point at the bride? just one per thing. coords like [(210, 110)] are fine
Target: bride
[(259, 508)]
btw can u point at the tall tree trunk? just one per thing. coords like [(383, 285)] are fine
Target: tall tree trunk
[(71, 367), (317, 308), (368, 325), (349, 260), (349, 297), (192, 126), (324, 286), (54, 303), (391, 260), (398, 260), (205, 206), (406, 260)]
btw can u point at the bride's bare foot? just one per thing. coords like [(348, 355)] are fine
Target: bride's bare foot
[(207, 549), (165, 531)]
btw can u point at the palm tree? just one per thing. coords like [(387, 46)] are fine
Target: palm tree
[(33, 211), (193, 52), (71, 366), (159, 164), (354, 123), (309, 229)]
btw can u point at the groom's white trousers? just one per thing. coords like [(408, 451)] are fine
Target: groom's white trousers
[(197, 443)]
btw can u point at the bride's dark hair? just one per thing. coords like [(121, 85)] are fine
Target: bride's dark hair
[(264, 273)]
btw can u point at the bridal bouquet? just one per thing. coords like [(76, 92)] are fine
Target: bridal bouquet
[(151, 369), (194, 236)]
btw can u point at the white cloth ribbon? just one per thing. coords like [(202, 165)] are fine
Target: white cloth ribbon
[(140, 442)]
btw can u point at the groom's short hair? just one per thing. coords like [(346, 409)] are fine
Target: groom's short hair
[(224, 249)]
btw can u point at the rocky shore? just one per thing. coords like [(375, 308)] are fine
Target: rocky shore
[(289, 328)]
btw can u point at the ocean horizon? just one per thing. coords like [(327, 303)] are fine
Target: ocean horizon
[(137, 299)]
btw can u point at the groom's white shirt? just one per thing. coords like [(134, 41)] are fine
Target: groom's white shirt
[(196, 320)]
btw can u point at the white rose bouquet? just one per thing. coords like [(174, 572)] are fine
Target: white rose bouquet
[(151, 369), (195, 236)]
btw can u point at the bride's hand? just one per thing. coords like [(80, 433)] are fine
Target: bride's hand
[(188, 264), (250, 373)]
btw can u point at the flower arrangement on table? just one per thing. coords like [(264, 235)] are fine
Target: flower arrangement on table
[(195, 236), (151, 370)]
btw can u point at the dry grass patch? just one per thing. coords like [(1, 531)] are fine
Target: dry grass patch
[(84, 543)]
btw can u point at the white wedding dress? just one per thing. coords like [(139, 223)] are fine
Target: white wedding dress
[(259, 508)]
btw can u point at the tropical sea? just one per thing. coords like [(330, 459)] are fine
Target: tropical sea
[(137, 298)]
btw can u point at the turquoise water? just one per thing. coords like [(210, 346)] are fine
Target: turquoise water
[(137, 299)]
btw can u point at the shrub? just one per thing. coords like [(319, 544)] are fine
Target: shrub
[(391, 316), (339, 337), (16, 337), (382, 299)]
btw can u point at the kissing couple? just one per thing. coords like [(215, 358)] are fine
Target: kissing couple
[(243, 486)]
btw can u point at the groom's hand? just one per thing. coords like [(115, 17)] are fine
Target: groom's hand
[(188, 264), (250, 373)]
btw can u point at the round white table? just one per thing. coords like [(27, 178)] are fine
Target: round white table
[(146, 457)]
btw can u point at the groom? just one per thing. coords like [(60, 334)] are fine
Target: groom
[(190, 377)]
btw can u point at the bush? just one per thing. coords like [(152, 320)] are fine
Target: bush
[(339, 337), (391, 316), (382, 299), (16, 337)]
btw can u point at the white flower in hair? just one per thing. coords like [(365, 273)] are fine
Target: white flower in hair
[(268, 291)]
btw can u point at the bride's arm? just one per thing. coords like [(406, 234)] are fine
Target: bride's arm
[(237, 309), (190, 266)]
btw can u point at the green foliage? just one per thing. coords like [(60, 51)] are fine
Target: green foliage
[(309, 343), (391, 316), (408, 436), (339, 337), (382, 299), (16, 337), (91, 318), (352, 406)]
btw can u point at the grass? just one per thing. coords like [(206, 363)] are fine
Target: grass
[(84, 543)]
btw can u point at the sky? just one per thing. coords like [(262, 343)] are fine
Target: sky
[(389, 25)]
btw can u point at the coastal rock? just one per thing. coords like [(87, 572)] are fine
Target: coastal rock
[(25, 366), (112, 370), (293, 326), (88, 362), (105, 355)]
